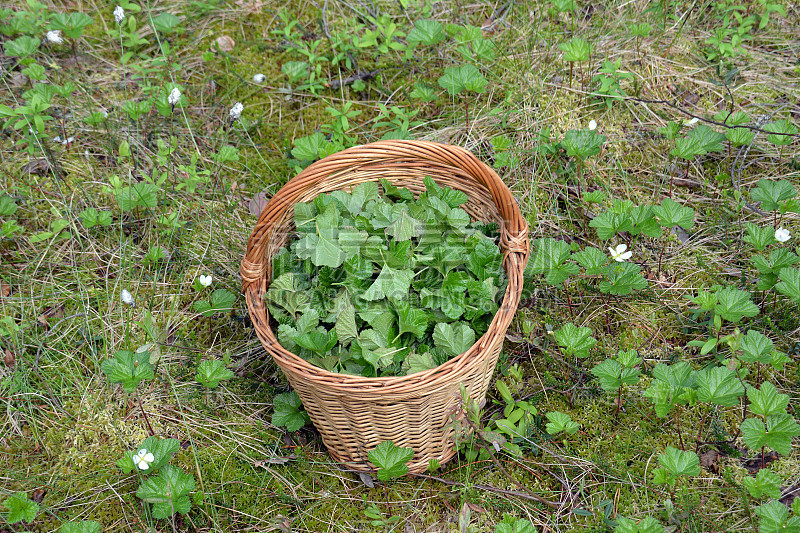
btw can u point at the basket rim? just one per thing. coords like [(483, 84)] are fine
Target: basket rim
[(514, 263)]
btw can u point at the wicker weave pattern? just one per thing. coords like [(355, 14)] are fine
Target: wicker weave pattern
[(352, 413)]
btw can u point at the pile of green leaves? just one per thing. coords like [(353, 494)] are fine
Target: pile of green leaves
[(385, 285)]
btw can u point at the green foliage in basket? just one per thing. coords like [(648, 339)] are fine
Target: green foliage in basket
[(385, 285)]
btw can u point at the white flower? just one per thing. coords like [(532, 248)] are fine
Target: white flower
[(127, 297), (692, 122), (174, 96), (782, 235), (119, 14), (143, 458), (236, 111), (259, 78), (205, 281), (54, 36), (592, 124), (619, 254)]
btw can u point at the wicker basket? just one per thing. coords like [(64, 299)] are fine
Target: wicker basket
[(352, 413)]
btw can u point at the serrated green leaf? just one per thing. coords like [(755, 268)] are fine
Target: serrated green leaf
[(575, 341), (767, 400), (582, 143), (288, 411), (390, 283), (592, 259), (759, 237), (719, 385), (622, 279), (7, 206), (211, 372), (549, 258), (390, 459), (680, 463), (670, 213), (411, 319), (774, 518), (427, 32), (128, 369), (84, 526), (646, 525), (418, 362), (756, 348), (766, 482), (453, 339), (734, 304), (462, 78), (560, 422), (772, 193), (168, 492), (708, 139), (789, 284), (778, 433), (20, 508), (221, 300)]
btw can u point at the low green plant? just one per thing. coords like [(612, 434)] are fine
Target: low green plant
[(576, 50), (616, 372), (220, 300), (464, 78), (212, 372), (390, 460), (558, 422), (289, 412), (20, 508), (609, 80)]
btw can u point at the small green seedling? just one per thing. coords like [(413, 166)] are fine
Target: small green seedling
[(460, 79), (20, 508), (575, 341), (675, 464), (391, 460), (646, 525), (766, 483), (673, 385), (582, 144), (289, 412), (512, 524), (128, 369), (84, 526), (616, 372), (774, 516), (221, 300), (211, 372), (559, 422), (168, 491)]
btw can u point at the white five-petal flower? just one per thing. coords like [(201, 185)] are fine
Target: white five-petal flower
[(205, 281), (54, 36), (236, 111), (127, 297), (119, 14), (143, 458), (692, 122), (782, 235), (592, 124), (619, 253), (259, 78), (174, 97)]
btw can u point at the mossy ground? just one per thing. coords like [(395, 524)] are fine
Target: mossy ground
[(64, 427)]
